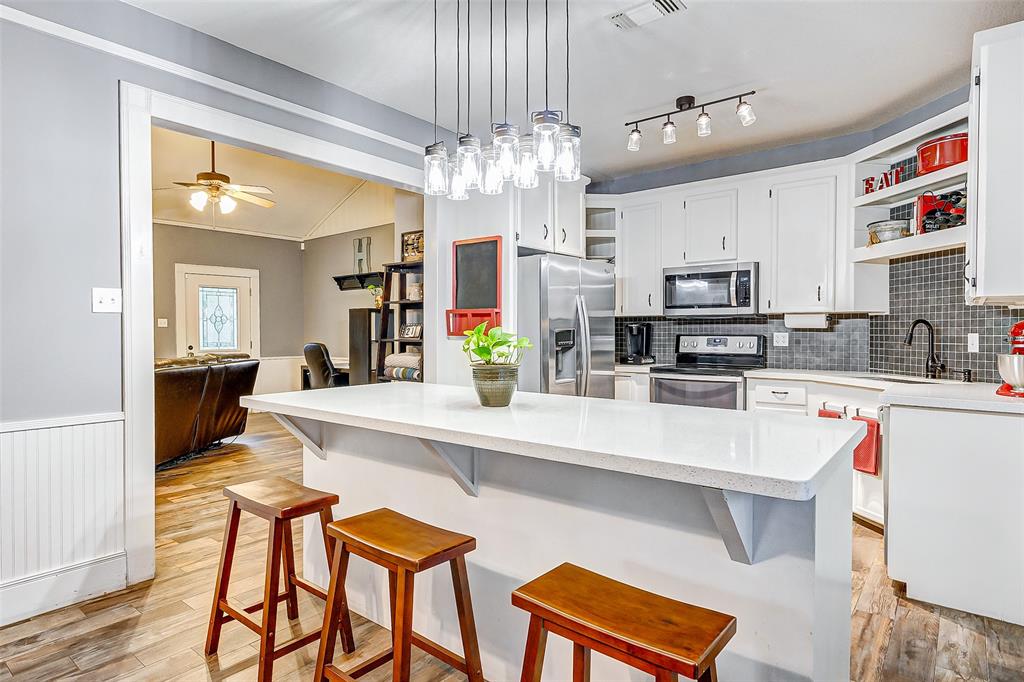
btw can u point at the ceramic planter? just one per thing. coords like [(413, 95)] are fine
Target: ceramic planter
[(495, 384)]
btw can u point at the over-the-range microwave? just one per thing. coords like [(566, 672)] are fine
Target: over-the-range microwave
[(712, 289)]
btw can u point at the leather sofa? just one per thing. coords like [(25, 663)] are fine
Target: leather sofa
[(197, 402)]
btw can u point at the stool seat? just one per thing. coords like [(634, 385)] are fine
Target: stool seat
[(400, 540), (666, 633), (279, 498)]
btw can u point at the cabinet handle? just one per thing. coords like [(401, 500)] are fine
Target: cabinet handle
[(782, 393), (819, 292), (563, 235), (545, 230), (769, 304), (648, 300), (723, 243)]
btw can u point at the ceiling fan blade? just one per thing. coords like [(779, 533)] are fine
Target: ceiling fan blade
[(242, 196), (252, 189), (190, 185)]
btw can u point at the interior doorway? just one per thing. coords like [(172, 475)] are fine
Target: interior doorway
[(217, 310)]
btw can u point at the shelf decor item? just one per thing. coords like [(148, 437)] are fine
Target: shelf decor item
[(412, 246), (410, 331), (494, 356)]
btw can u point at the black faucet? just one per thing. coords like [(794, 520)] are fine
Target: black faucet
[(932, 366)]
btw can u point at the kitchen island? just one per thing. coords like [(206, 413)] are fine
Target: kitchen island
[(734, 511)]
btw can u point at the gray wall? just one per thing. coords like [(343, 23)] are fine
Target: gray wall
[(280, 265), (59, 106), (325, 307)]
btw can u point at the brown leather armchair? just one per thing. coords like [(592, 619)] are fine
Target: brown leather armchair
[(197, 404)]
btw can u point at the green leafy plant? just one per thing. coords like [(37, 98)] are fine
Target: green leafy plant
[(494, 346), (375, 290)]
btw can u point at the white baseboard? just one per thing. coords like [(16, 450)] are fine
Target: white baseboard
[(31, 595)]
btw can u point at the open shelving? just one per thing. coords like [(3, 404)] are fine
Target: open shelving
[(905, 192), (387, 337), (914, 245)]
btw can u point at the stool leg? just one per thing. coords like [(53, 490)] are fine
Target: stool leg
[(220, 590), (401, 627), (710, 675), (348, 640), (265, 671), (580, 663), (289, 571), (662, 675), (536, 641), (335, 603), (467, 624)]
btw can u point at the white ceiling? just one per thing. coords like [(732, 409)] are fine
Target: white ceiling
[(311, 201), (821, 67)]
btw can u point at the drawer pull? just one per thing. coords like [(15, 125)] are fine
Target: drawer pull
[(782, 393)]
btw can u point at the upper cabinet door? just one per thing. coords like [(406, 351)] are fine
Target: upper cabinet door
[(640, 263), (996, 241), (569, 217), (709, 226), (536, 228), (803, 248)]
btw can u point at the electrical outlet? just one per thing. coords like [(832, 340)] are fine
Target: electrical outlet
[(780, 339), (972, 343), (106, 300)]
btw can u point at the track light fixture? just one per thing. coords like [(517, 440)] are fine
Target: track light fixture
[(744, 112)]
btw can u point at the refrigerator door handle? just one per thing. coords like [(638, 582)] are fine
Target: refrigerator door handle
[(585, 324)]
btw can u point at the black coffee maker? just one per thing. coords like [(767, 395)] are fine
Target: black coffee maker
[(639, 344)]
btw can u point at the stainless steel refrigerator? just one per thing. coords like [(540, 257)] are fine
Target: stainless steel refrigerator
[(566, 306)]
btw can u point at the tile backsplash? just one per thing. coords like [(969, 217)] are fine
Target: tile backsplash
[(928, 286)]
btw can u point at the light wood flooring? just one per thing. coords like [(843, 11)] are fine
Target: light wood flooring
[(156, 631)]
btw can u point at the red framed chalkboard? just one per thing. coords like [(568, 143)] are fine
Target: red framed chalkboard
[(476, 284)]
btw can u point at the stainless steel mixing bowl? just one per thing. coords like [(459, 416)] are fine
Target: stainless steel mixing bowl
[(1011, 368)]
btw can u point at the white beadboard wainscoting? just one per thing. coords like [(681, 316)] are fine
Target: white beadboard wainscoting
[(61, 512)]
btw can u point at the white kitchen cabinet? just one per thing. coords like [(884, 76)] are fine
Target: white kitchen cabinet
[(535, 228), (803, 245), (995, 176), (569, 218), (709, 226), (634, 386), (640, 264)]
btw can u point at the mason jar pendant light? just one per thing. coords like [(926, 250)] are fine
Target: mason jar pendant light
[(545, 122), (526, 169), (457, 186), (668, 132), (745, 112), (633, 140), (567, 160), (505, 136), (435, 158), (491, 182), (703, 123)]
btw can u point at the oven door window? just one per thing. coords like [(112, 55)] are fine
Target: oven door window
[(696, 291), (721, 394)]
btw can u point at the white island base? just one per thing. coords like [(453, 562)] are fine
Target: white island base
[(531, 513)]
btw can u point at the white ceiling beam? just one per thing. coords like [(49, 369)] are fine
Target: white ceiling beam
[(232, 230)]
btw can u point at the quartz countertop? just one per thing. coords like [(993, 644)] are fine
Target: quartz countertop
[(775, 455), (960, 396), (856, 379)]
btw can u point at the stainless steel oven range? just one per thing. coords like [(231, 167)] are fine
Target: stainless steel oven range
[(709, 371)]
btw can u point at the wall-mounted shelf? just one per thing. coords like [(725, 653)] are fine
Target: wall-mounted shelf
[(942, 240), (907, 191), (359, 280)]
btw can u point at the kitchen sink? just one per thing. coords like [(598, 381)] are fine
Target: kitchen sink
[(896, 379)]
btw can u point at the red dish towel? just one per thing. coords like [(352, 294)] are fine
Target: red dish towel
[(865, 456), (830, 414)]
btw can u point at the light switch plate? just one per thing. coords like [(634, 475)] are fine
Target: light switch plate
[(780, 339), (972, 343), (161, 322), (106, 300)]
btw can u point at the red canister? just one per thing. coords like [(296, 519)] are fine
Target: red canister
[(941, 152)]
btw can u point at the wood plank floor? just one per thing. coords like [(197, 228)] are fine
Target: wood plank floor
[(156, 631)]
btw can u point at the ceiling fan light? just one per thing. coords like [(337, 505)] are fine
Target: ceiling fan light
[(198, 200), (567, 160), (435, 170), (506, 143), (545, 129), (227, 204), (668, 132), (469, 157), (526, 172), (703, 124), (745, 112), (633, 140)]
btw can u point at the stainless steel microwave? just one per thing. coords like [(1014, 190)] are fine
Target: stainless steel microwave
[(712, 289)]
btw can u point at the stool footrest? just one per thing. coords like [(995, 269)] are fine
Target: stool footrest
[(297, 643), (258, 606), (231, 613), (439, 652), (366, 666), (309, 587)]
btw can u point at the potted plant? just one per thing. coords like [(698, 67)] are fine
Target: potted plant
[(378, 295), (494, 357)]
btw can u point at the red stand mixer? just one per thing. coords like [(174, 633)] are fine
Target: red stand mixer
[(1011, 366)]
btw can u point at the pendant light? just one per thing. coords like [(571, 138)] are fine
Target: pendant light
[(505, 136), (457, 183), (492, 181), (435, 158), (469, 152), (668, 132), (567, 162), (545, 122), (703, 123), (457, 186), (745, 112), (526, 170), (633, 140)]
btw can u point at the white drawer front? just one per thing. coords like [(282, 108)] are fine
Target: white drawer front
[(780, 395)]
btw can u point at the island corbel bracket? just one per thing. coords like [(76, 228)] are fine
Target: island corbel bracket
[(310, 432), (460, 461), (733, 514)]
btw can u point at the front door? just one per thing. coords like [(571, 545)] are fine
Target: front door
[(218, 314)]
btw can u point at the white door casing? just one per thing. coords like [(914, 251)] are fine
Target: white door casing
[(190, 280)]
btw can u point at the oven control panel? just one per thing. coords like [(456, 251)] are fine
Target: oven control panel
[(724, 345)]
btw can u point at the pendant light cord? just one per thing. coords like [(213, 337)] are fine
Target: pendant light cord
[(527, 82), (545, 54), (469, 67), (490, 56), (505, 117), (567, 61), (435, 71), (458, 69)]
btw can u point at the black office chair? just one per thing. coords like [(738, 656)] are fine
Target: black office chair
[(322, 373)]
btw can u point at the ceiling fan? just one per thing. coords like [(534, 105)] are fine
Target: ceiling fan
[(217, 188)]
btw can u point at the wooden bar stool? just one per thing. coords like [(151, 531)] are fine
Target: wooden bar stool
[(405, 547), (658, 635), (279, 501)]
